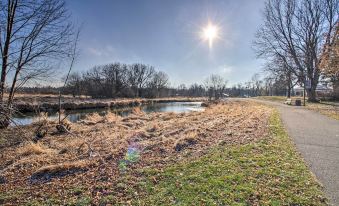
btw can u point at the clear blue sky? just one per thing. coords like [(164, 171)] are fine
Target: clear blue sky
[(166, 34)]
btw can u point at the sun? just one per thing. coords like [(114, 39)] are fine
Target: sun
[(210, 33)]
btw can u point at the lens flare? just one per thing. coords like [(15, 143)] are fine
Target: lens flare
[(132, 155), (210, 33)]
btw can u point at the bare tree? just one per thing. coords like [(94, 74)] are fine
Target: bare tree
[(181, 90), (330, 61), (196, 90), (74, 84), (73, 54), (138, 76), (115, 76), (216, 86), (278, 70), (294, 30), (94, 81), (159, 82), (33, 33), (119, 80), (256, 84)]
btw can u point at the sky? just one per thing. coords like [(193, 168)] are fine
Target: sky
[(167, 35)]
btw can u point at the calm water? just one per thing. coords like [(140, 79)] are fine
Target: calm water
[(76, 115)]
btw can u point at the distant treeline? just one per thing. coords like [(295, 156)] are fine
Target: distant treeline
[(119, 80)]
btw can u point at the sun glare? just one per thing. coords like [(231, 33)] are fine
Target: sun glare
[(210, 33)]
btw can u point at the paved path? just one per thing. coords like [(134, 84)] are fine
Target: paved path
[(317, 139)]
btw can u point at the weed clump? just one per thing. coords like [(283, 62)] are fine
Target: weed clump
[(33, 149), (43, 124), (92, 119), (137, 111), (110, 117)]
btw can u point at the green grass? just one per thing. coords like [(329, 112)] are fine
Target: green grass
[(269, 172)]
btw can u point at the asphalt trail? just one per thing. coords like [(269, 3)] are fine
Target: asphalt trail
[(317, 139)]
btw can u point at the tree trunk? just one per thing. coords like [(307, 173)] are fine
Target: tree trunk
[(5, 111), (8, 112), (10, 19), (11, 93), (313, 76), (289, 91), (336, 89), (289, 83), (311, 94)]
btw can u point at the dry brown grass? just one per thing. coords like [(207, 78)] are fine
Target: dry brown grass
[(328, 109), (33, 149), (92, 119), (137, 111), (110, 117), (93, 151)]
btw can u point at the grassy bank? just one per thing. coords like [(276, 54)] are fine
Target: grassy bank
[(269, 172), (226, 154)]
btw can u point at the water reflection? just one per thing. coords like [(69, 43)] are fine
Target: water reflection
[(76, 115)]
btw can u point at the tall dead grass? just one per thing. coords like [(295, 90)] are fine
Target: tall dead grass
[(34, 149), (137, 111)]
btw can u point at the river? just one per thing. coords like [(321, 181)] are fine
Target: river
[(76, 115)]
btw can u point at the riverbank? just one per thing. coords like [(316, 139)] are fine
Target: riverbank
[(38, 103), (233, 152)]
